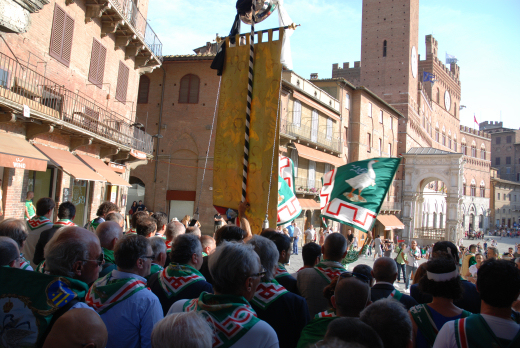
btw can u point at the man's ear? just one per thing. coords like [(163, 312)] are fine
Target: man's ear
[(113, 243), (333, 300), (77, 267), (194, 259), (13, 263), (317, 260)]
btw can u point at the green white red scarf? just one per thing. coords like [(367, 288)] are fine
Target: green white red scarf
[(268, 292), (329, 272), (107, 292), (131, 231), (177, 277), (396, 295), (63, 223), (41, 267), (280, 271), (329, 313), (24, 264), (231, 316), (37, 222), (168, 246)]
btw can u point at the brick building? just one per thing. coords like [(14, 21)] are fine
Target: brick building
[(505, 202), (505, 150), (69, 74), (427, 93)]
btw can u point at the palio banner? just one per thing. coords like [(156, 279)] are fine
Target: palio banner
[(288, 205), (353, 194)]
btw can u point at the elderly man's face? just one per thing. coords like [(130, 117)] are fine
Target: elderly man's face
[(490, 253)]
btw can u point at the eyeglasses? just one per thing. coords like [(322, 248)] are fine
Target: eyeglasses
[(100, 260), (359, 276), (151, 257), (259, 274)]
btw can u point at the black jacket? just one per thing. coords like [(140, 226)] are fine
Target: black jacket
[(45, 237), (289, 282), (190, 292), (380, 291)]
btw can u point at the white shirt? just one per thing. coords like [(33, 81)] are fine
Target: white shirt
[(261, 335), (502, 328), (297, 232), (411, 256)]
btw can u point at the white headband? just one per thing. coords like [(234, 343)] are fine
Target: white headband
[(442, 277)]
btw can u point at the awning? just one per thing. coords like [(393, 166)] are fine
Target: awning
[(307, 203), (70, 164), (318, 156), (16, 152), (391, 222), (102, 169)]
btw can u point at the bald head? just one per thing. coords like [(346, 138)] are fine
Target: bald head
[(77, 328), (351, 296), (72, 252), (109, 232), (173, 229), (335, 247), (194, 230), (385, 270)]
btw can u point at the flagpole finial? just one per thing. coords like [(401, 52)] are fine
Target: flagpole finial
[(266, 222)]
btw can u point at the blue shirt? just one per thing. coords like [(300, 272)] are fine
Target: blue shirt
[(130, 322), (290, 228)]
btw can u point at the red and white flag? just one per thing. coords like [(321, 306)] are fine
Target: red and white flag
[(475, 119)]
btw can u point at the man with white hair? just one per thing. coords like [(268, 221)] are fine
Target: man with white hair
[(9, 252), (159, 251), (108, 232), (236, 271)]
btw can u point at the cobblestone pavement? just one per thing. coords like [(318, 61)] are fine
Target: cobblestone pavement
[(503, 244)]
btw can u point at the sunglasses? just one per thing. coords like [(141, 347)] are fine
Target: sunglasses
[(100, 260)]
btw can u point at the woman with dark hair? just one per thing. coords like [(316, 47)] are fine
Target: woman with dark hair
[(133, 208), (441, 281), (419, 273)]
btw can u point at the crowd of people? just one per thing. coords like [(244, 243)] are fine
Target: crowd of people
[(163, 284)]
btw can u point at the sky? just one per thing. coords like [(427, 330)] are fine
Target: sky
[(482, 34)]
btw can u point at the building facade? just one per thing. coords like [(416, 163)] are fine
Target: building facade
[(69, 73), (427, 93), (505, 202), (505, 150)]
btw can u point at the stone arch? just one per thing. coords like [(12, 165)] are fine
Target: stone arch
[(186, 141)]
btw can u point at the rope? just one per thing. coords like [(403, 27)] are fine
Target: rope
[(274, 143), (209, 144), (249, 99)]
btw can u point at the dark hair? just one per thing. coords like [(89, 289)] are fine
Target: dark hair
[(67, 210), (44, 205), (472, 246), (229, 233), (451, 289), (106, 207), (268, 233), (498, 282), (335, 246), (183, 247), (145, 226), (310, 252), (129, 249), (353, 330), (161, 219), (136, 216), (421, 271), (283, 243), (365, 270), (443, 246), (133, 203)]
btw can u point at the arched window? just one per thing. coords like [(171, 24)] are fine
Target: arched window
[(144, 86), (482, 189), (189, 90), (437, 132), (483, 151), (441, 220), (473, 188), (455, 142), (455, 110), (443, 136), (463, 186), (463, 146), (434, 220), (438, 95), (384, 48)]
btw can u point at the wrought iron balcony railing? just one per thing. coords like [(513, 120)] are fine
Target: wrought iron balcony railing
[(306, 133), (23, 86), (429, 233), (304, 185)]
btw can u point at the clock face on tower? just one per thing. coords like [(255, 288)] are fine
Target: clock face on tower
[(447, 100), (413, 62)]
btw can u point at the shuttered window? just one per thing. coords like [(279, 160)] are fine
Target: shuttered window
[(61, 36), (189, 91), (122, 82), (97, 63), (144, 86)]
